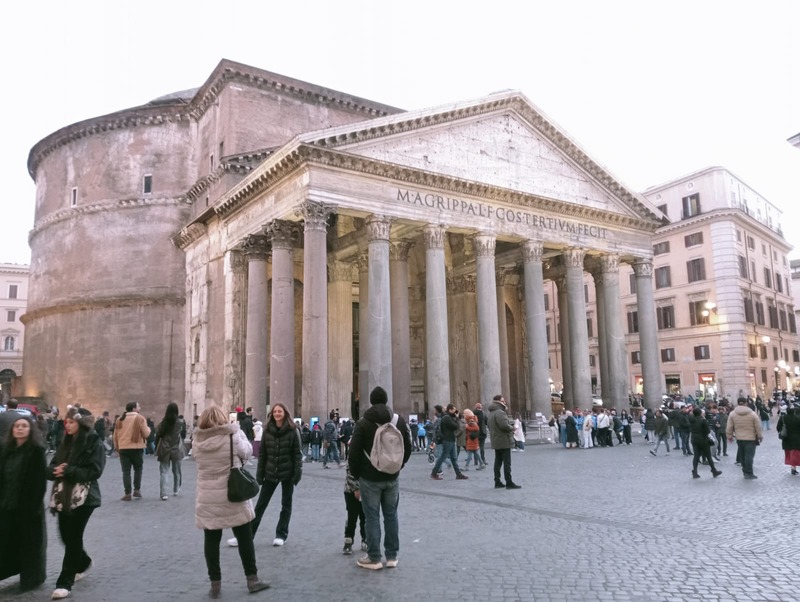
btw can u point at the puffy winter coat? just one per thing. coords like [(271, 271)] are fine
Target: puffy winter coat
[(211, 452), (279, 458), (501, 427)]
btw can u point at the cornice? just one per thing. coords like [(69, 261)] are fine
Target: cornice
[(230, 71), (286, 162), (724, 214), (81, 210), (398, 125), (105, 303), (147, 115)]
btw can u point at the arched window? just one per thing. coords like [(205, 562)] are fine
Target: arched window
[(8, 344)]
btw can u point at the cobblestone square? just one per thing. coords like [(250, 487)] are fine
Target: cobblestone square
[(599, 524)]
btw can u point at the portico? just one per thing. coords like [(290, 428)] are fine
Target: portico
[(419, 245)]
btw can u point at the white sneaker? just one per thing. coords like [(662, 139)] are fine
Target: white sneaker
[(79, 576), (233, 543), (278, 541), (60, 594)]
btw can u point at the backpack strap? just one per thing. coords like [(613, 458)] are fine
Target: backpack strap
[(394, 420)]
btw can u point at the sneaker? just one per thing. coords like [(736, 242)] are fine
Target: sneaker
[(137, 494), (79, 576), (126, 498), (278, 541), (60, 593), (461, 477), (436, 477), (750, 476), (232, 542), (365, 562), (348, 546), (176, 492), (499, 486), (390, 564), (164, 498), (325, 466), (513, 486)]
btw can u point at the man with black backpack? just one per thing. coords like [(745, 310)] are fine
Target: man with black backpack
[(375, 461)]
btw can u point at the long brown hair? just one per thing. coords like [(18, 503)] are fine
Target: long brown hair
[(287, 415)]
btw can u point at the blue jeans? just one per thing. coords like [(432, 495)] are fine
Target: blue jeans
[(747, 449), (448, 451), (332, 454), (765, 424), (315, 451), (437, 453), (177, 477), (377, 496)]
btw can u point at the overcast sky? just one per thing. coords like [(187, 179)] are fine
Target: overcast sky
[(651, 90)]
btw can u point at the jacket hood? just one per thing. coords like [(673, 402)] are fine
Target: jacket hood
[(215, 437), (741, 410), (380, 413), (496, 405)]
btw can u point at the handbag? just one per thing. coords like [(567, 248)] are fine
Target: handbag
[(80, 491), (242, 486), (782, 434)]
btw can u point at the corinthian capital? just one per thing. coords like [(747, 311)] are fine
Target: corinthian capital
[(484, 244), (340, 271), (362, 261), (378, 228), (532, 251), (398, 250), (256, 247), (643, 268), (433, 236), (609, 264), (573, 257), (314, 214), (282, 234)]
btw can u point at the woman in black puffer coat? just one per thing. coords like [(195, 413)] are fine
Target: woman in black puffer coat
[(791, 442), (279, 462)]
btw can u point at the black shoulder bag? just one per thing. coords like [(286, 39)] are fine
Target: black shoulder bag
[(242, 486)]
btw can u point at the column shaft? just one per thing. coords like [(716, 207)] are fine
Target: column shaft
[(536, 326), (437, 353), (401, 334), (363, 332), (488, 334), (578, 332), (340, 335), (563, 335), (282, 340), (502, 338), (648, 334), (615, 336), (380, 318), (256, 359)]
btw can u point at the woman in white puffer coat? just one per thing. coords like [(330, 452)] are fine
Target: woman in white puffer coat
[(213, 512)]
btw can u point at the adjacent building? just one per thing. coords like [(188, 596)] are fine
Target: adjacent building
[(13, 300)]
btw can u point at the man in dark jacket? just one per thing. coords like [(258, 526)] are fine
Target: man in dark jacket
[(448, 425), (380, 491), (501, 432)]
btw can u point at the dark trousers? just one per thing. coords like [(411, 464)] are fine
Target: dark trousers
[(355, 514), (131, 458), (502, 457), (745, 454), (247, 553), (482, 442), (722, 444), (71, 526), (685, 442), (267, 489), (626, 431), (702, 449)]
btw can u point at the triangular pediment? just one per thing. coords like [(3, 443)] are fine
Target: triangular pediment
[(502, 141)]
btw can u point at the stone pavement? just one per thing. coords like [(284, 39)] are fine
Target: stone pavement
[(601, 524)]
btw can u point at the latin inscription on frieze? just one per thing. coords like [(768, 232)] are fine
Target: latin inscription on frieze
[(491, 213)]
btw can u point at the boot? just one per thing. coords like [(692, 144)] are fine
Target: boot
[(695, 475), (216, 587), (255, 585), (716, 473)]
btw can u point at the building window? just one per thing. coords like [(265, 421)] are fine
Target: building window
[(748, 310), (633, 322), (691, 205), (663, 209), (635, 357), (546, 302), (760, 313), (778, 283), (774, 354), (742, 267), (547, 332), (795, 356), (665, 316), (661, 248), (738, 236), (591, 361), (12, 291), (753, 272), (196, 348), (221, 150), (767, 278), (701, 352), (696, 316), (696, 269), (632, 282), (792, 322), (782, 320), (668, 355), (753, 350), (11, 315), (73, 199), (763, 249), (211, 162), (147, 184), (751, 243), (586, 293), (663, 279), (8, 343), (693, 240), (773, 316)]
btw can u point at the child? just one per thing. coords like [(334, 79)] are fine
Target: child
[(355, 513), (473, 442)]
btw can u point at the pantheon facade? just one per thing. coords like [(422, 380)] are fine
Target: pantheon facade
[(262, 239)]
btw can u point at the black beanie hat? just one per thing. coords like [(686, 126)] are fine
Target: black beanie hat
[(378, 395)]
